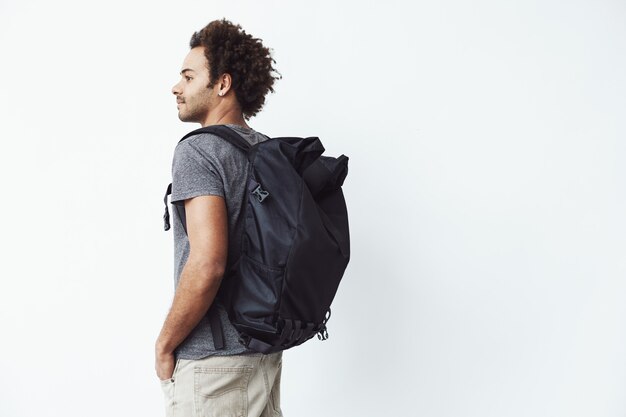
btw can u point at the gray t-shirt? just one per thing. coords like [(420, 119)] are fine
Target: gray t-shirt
[(206, 164)]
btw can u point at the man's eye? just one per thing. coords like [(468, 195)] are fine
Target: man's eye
[(188, 78)]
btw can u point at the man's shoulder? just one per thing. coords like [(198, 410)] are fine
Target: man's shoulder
[(203, 141), (211, 141), (204, 146)]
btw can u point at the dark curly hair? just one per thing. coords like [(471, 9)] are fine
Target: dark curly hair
[(228, 48)]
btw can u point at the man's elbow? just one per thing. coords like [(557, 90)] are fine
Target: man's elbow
[(205, 276)]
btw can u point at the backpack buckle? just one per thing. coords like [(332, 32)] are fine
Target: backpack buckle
[(260, 193), (322, 334)]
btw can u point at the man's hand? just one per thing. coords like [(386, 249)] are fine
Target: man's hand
[(164, 365)]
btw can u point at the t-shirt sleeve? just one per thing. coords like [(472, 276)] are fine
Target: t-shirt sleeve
[(194, 172)]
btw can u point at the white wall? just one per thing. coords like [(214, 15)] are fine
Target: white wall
[(486, 195)]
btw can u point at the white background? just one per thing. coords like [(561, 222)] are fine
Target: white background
[(486, 199)]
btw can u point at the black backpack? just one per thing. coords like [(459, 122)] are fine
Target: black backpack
[(295, 243)]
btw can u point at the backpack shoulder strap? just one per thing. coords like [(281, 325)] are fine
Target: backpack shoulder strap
[(240, 143)]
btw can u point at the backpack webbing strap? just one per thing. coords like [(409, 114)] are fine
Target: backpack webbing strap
[(306, 334), (295, 332), (262, 347), (179, 209), (166, 216), (216, 328)]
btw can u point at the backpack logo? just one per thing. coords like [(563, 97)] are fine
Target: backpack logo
[(260, 193)]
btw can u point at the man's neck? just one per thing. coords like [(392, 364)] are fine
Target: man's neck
[(229, 117)]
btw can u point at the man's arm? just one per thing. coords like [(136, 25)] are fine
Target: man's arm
[(207, 226)]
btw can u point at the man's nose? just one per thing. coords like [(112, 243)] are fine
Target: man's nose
[(175, 89)]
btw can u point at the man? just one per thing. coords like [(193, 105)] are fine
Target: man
[(224, 80)]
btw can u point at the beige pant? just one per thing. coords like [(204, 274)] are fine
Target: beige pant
[(224, 386)]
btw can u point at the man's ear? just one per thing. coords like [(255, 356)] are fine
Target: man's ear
[(225, 83)]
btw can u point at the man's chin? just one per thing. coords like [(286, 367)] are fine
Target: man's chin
[(190, 117), (184, 117)]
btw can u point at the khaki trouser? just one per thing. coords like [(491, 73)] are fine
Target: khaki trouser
[(224, 386)]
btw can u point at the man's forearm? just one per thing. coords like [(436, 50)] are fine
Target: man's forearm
[(195, 292)]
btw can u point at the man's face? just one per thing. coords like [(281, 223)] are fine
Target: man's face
[(194, 99)]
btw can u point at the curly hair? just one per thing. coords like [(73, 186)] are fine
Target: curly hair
[(229, 49)]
